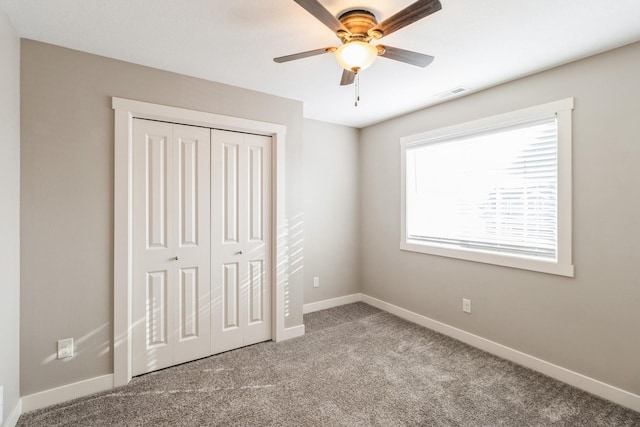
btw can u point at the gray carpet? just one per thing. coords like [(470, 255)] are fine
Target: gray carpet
[(356, 366)]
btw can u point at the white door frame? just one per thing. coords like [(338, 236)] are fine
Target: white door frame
[(125, 111)]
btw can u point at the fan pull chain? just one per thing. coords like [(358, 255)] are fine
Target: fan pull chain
[(357, 89)]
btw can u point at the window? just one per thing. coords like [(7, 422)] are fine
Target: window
[(495, 190)]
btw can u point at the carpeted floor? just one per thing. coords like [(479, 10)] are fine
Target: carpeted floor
[(356, 366)]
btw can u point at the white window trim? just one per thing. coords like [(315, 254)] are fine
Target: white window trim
[(563, 266)]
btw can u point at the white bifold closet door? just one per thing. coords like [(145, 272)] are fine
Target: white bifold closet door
[(240, 239), (201, 243), (171, 245)]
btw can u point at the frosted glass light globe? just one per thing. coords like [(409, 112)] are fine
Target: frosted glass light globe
[(356, 55)]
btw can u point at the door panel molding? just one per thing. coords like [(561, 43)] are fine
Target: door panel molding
[(156, 194), (245, 177), (171, 232), (188, 192), (125, 112)]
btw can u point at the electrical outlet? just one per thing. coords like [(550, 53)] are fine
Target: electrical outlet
[(65, 348), (466, 305), (316, 282)]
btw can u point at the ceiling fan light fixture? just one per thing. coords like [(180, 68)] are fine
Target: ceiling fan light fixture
[(356, 55)]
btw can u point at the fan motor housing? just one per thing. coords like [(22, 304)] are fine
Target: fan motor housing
[(358, 22)]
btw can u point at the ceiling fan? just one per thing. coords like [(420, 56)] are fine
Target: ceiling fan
[(356, 28)]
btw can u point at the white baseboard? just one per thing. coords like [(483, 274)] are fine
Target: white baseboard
[(590, 385), (330, 303), (66, 392), (294, 332), (14, 416)]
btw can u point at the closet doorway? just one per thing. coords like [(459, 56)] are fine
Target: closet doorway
[(198, 269)]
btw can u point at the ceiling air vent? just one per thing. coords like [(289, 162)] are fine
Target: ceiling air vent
[(452, 92)]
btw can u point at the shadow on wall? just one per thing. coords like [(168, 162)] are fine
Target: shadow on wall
[(290, 247)]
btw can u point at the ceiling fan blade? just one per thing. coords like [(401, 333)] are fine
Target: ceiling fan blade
[(322, 14), (408, 15), (301, 55), (407, 56), (348, 77)]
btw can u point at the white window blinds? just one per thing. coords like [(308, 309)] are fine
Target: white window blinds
[(495, 190)]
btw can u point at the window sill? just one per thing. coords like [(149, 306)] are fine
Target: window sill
[(504, 260)]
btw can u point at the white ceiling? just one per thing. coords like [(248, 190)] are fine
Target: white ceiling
[(476, 43)]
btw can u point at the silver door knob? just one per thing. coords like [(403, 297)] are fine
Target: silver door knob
[(175, 259), (239, 253)]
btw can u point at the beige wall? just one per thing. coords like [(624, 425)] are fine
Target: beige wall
[(331, 210), (67, 196), (351, 189), (9, 215), (589, 323)]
